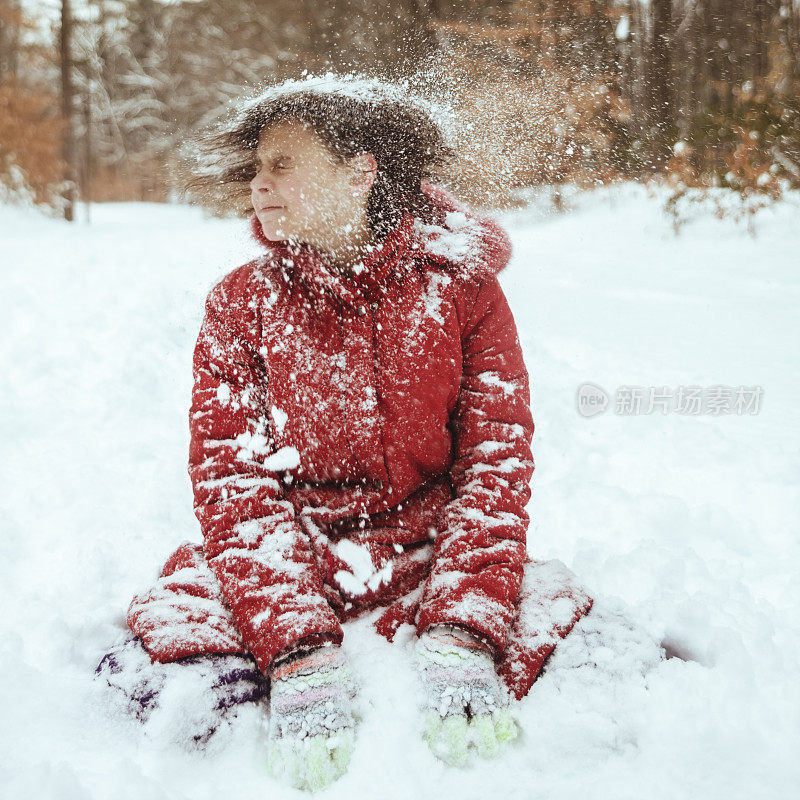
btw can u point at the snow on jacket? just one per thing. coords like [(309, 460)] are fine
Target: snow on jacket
[(357, 441)]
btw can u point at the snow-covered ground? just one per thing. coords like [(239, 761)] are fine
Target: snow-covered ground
[(684, 527)]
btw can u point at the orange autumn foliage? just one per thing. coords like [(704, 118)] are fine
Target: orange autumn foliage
[(30, 140)]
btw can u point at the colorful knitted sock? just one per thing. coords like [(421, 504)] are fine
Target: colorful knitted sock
[(464, 701), (218, 687), (311, 728)]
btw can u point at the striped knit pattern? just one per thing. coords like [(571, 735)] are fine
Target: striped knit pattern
[(311, 694), (458, 673)]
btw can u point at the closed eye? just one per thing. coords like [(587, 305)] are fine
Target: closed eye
[(279, 165)]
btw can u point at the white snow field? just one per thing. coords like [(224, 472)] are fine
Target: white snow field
[(683, 526)]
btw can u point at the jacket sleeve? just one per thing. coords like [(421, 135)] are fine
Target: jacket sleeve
[(480, 552), (256, 548)]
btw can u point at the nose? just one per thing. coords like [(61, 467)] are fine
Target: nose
[(261, 181)]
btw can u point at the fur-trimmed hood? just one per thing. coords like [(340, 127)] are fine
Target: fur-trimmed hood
[(468, 245)]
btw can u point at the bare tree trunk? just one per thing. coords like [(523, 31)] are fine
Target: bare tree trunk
[(661, 94), (86, 182), (790, 36), (67, 111), (9, 38)]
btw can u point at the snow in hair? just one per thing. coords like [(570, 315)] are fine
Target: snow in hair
[(354, 86), (352, 113)]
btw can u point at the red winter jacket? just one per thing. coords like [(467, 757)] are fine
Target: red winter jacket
[(354, 438)]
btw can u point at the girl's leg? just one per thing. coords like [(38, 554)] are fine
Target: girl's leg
[(185, 660), (184, 613), (551, 600)]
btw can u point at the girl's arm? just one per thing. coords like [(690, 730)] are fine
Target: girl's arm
[(252, 541), (480, 550)]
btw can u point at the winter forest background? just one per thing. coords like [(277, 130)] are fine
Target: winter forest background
[(644, 157), (98, 95)]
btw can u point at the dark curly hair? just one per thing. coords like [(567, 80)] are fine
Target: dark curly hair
[(351, 115)]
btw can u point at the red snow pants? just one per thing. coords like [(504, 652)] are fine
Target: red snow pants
[(185, 613)]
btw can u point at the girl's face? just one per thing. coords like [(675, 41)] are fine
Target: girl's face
[(301, 192)]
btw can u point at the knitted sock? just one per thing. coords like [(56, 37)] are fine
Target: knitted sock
[(191, 697)]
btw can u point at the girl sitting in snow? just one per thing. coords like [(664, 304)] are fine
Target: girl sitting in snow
[(360, 439)]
